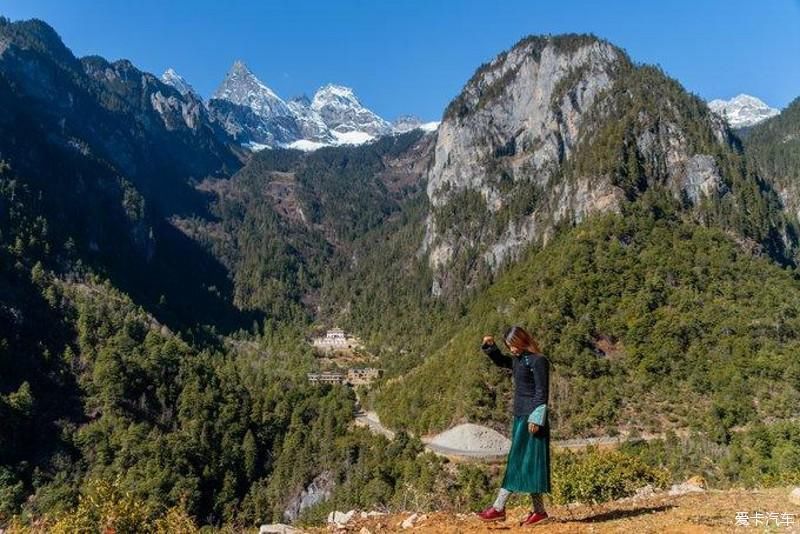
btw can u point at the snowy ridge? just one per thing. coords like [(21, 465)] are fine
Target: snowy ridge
[(258, 118), (743, 110), (172, 78), (406, 123), (343, 112)]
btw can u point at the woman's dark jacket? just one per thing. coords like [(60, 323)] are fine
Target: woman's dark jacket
[(531, 374)]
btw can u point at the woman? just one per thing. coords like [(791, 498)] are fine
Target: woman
[(528, 464)]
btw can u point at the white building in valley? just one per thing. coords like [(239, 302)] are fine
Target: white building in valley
[(335, 339)]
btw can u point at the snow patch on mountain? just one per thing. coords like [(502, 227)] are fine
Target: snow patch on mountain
[(430, 126), (309, 122), (407, 123), (306, 145), (743, 110)]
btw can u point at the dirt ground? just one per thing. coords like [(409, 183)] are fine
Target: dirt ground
[(711, 511)]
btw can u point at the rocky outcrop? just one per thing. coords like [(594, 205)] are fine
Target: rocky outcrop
[(319, 490), (550, 132)]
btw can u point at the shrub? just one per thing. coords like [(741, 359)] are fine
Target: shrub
[(598, 476)]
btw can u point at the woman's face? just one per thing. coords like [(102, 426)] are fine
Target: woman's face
[(514, 350)]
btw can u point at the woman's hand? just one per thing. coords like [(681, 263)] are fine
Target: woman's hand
[(488, 340), (533, 428)]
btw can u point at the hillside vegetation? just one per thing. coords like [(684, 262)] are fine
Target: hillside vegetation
[(156, 299), (651, 321)]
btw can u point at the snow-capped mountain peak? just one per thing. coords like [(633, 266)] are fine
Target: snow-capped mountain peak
[(257, 117), (743, 110), (172, 78), (343, 112), (332, 93), (243, 88)]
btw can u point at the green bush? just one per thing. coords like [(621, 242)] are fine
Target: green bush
[(597, 476)]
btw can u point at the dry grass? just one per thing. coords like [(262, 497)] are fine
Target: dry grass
[(711, 511)]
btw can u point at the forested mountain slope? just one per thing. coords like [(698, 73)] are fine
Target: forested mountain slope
[(774, 148), (289, 220), (651, 323), (568, 189), (106, 153), (558, 128)]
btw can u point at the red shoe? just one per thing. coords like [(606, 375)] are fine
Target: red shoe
[(492, 514), (533, 518)]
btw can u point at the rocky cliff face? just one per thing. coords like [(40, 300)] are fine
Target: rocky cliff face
[(550, 132)]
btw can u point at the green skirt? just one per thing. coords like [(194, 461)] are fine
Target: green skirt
[(528, 464)]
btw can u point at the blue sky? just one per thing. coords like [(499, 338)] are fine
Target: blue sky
[(414, 56)]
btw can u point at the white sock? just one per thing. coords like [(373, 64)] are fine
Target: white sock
[(538, 503), (502, 497)]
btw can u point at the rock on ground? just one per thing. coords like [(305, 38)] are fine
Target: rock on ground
[(340, 519), (277, 528), (695, 484)]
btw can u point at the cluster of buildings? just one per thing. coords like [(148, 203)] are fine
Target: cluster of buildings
[(336, 340), (352, 377)]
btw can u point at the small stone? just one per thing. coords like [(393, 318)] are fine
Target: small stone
[(277, 528), (340, 519), (375, 513), (409, 521), (364, 530), (794, 496)]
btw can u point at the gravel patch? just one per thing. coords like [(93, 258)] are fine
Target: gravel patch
[(472, 438)]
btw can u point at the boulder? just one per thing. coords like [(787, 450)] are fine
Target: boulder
[(694, 484), (340, 519), (794, 496)]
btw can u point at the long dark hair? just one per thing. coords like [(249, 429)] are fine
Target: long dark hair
[(520, 339)]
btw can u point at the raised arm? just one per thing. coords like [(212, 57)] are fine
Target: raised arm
[(494, 354)]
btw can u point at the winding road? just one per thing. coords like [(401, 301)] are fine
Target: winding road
[(371, 421)]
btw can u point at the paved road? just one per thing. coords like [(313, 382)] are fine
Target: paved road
[(373, 422)]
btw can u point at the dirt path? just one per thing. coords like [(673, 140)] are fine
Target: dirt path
[(372, 422), (695, 513)]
